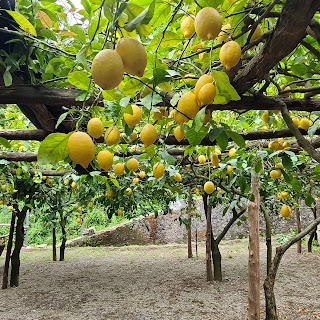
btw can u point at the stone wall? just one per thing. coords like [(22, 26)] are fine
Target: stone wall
[(167, 228)]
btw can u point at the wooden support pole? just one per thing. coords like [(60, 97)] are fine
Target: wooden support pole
[(254, 256)]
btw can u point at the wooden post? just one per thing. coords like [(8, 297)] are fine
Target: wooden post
[(54, 244), (254, 262), (207, 210), (298, 221), (189, 235)]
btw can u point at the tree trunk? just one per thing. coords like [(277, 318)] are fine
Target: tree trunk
[(310, 240), (54, 244), (268, 238), (271, 308), (189, 235), (197, 243), (15, 258), (216, 257), (8, 254), (63, 243), (298, 221), (315, 217), (207, 210), (254, 254)]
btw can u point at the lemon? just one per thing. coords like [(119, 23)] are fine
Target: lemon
[(79, 209), (158, 170), (207, 93), (224, 33), (232, 152), (80, 148), (219, 189), (265, 116), (119, 212), (188, 107), (207, 117), (128, 191), (279, 165), (256, 34), (274, 145), (178, 177), (209, 187), (275, 174), (229, 169), (204, 79), (208, 23), (66, 182), (90, 204), (73, 185), (135, 180), (107, 69), (202, 159), (285, 211), (133, 119), (178, 133), (196, 191), (187, 27), (197, 47), (163, 112), (286, 145), (79, 220), (142, 174), (304, 124), (215, 159), (148, 135), (312, 181), (95, 128), (217, 150), (230, 54), (112, 136), (285, 194), (133, 55), (133, 164), (10, 208), (296, 121), (118, 169), (109, 194), (105, 159), (133, 136)]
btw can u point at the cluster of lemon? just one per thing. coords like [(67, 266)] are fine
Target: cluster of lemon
[(108, 66), (277, 173), (279, 144)]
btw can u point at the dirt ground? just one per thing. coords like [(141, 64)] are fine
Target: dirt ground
[(153, 282)]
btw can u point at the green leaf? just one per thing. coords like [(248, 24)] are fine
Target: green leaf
[(237, 138), (225, 91), (309, 200), (258, 167), (287, 162), (61, 118), (53, 148), (151, 151), (115, 182), (198, 119), (5, 142), (82, 56), (23, 22), (124, 102), (79, 79), (242, 183), (160, 75), (195, 137), (142, 18), (215, 132), (222, 140), (7, 78), (167, 157)]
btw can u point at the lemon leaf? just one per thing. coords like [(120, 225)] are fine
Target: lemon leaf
[(23, 22), (5, 142), (79, 79), (222, 140), (198, 119), (53, 148), (195, 137), (237, 138)]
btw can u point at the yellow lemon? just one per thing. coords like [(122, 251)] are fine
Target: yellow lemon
[(274, 145), (230, 54), (133, 164), (208, 23), (209, 187), (207, 93), (275, 174), (305, 124), (178, 133), (73, 185), (109, 194), (90, 204), (187, 27), (312, 181), (118, 169), (95, 128), (107, 69), (135, 180), (202, 159), (133, 119), (148, 135), (158, 170), (133, 136), (79, 220), (105, 159), (80, 148), (119, 212), (229, 169), (286, 145), (204, 79), (279, 165), (285, 211), (296, 121), (256, 34), (163, 112), (285, 194), (128, 192), (232, 152), (188, 107), (197, 47), (142, 174), (133, 55), (215, 159), (112, 136), (224, 33), (66, 182), (178, 177), (265, 116)]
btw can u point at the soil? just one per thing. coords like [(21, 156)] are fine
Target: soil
[(153, 282)]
